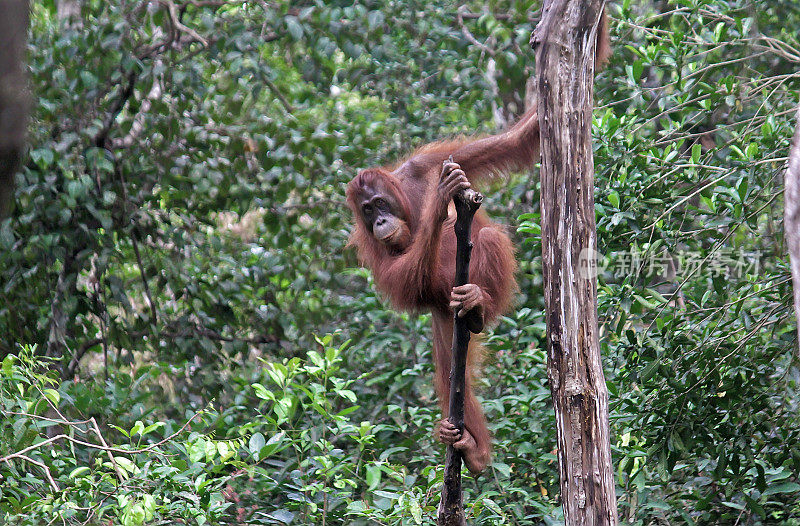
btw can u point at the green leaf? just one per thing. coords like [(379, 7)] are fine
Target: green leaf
[(733, 505), (284, 408), (137, 428), (613, 198), (79, 472), (348, 394), (492, 505), (503, 468), (648, 371), (152, 427), (783, 487), (256, 443), (8, 365), (52, 395), (720, 31), (741, 188), (262, 392), (275, 444), (123, 431), (645, 302), (375, 19), (126, 464), (416, 510), (294, 27), (373, 476), (225, 452), (696, 151)]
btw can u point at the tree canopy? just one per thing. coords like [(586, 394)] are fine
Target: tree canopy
[(182, 320)]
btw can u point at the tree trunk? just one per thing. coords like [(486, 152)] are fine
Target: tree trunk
[(791, 217), (13, 94), (565, 40)]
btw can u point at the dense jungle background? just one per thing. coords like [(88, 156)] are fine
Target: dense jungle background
[(187, 339)]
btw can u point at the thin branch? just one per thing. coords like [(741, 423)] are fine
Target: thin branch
[(95, 446), (135, 243), (117, 469), (179, 26), (145, 284), (36, 463), (138, 121), (73, 425), (284, 102), (474, 16), (125, 92), (469, 36), (78, 354)]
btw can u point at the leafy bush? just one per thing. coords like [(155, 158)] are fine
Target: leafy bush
[(178, 237)]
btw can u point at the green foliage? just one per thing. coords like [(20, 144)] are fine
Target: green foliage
[(179, 236), (300, 451), (702, 371), (55, 468)]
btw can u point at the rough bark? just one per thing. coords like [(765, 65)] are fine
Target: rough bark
[(565, 50), (451, 507), (791, 218), (13, 94)]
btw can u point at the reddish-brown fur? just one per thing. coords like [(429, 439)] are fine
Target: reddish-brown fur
[(419, 276)]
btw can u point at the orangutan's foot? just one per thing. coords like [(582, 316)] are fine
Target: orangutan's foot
[(475, 459)]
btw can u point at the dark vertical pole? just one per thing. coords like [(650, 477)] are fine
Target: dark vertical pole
[(451, 508)]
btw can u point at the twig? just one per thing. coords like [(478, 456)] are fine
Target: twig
[(95, 446), (469, 36), (179, 26), (117, 469), (78, 354), (135, 243), (36, 463), (143, 276), (125, 92), (138, 120), (284, 102)]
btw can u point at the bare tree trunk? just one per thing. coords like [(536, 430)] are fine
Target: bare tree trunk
[(13, 94), (791, 217), (565, 56)]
